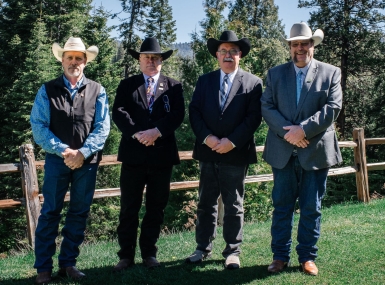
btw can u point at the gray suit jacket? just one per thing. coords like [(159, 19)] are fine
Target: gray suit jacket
[(318, 108)]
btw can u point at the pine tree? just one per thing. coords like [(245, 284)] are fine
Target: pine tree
[(130, 26), (258, 21), (160, 24), (354, 42), (38, 67)]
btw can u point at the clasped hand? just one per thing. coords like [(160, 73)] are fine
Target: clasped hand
[(73, 158), (147, 137), (296, 136), (221, 146)]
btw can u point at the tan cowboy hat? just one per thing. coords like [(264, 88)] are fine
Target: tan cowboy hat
[(228, 37), (301, 31), (75, 44)]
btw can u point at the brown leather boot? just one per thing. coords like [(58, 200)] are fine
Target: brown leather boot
[(309, 267), (277, 266)]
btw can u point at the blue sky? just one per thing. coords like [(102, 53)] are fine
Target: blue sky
[(188, 13)]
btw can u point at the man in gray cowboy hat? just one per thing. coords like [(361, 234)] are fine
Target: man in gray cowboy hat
[(301, 101), (148, 108), (225, 111), (70, 121)]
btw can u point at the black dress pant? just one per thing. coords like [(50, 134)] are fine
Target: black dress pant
[(133, 179)]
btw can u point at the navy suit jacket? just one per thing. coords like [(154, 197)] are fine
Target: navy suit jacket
[(238, 121), (131, 114)]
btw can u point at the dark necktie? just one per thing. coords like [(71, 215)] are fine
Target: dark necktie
[(150, 92), (224, 88)]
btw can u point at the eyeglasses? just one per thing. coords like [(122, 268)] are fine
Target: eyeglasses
[(232, 51), (166, 103), (305, 44), (151, 57)]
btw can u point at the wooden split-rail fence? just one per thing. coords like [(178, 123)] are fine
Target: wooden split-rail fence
[(32, 199)]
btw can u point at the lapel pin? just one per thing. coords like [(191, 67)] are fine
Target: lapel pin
[(160, 88), (161, 84)]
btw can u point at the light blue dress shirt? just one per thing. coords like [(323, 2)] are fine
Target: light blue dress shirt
[(40, 122)]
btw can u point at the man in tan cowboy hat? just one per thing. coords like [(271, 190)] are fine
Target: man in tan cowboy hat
[(148, 108), (225, 111), (70, 121), (301, 101)]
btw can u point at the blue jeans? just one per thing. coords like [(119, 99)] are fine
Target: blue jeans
[(292, 183), (57, 180), (226, 180)]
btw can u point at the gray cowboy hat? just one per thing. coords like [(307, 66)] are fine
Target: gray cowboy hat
[(75, 44), (301, 31), (228, 37), (150, 45)]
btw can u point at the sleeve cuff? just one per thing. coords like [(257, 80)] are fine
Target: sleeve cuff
[(160, 134), (300, 125)]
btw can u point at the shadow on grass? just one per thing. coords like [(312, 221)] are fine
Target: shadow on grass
[(170, 273)]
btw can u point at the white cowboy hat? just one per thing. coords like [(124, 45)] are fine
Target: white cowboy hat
[(75, 44), (301, 31)]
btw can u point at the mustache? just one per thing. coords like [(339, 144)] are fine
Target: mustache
[(228, 59)]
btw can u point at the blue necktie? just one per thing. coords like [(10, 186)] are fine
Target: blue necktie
[(224, 88), (150, 92), (299, 85)]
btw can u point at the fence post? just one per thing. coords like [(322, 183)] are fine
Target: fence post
[(360, 163), (30, 189)]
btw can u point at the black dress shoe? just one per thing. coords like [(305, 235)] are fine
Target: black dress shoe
[(123, 264), (151, 262), (43, 277), (71, 272)]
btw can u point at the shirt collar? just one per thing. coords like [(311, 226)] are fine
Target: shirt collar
[(303, 69), (155, 77), (230, 75), (68, 84)]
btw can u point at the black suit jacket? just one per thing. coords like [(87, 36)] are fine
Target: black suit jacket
[(238, 121), (131, 114)]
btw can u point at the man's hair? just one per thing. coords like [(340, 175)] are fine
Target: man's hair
[(85, 55), (311, 40)]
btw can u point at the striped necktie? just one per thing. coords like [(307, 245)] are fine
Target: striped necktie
[(224, 88), (150, 92)]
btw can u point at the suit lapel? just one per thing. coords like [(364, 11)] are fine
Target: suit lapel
[(291, 90), (309, 79), (215, 88), (161, 87), (142, 89), (234, 88)]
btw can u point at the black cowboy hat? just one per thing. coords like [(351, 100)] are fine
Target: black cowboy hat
[(228, 37), (150, 45)]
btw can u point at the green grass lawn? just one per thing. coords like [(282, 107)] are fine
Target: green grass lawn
[(351, 251)]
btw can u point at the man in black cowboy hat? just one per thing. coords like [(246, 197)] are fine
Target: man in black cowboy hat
[(225, 111), (148, 108)]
